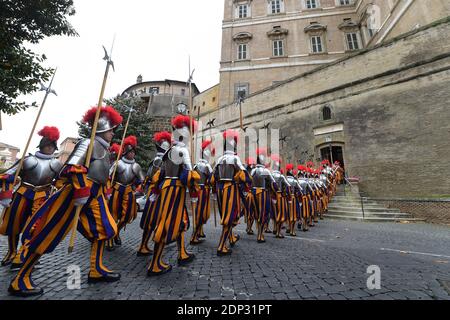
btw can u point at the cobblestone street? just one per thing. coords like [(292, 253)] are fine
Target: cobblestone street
[(329, 262)]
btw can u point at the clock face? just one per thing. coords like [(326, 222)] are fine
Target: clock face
[(182, 108)]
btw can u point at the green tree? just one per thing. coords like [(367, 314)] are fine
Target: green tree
[(21, 23), (140, 126)]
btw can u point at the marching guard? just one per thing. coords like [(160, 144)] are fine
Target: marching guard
[(263, 184), (37, 176), (227, 176), (128, 177), (203, 208), (83, 187), (280, 208), (176, 176), (295, 204), (149, 219)]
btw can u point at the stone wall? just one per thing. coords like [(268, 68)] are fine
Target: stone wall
[(392, 102), (433, 211)]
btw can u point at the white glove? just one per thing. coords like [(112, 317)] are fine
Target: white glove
[(6, 202), (213, 197), (245, 194), (274, 201), (81, 201), (290, 202), (194, 200), (153, 197)]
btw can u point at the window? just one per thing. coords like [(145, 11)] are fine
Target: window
[(326, 113), (241, 91), (316, 44), (275, 6), (243, 11), (352, 41), (311, 4), (153, 90), (242, 51), (345, 2), (278, 49)]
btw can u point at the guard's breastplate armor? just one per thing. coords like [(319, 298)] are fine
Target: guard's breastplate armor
[(204, 170), (128, 172), (261, 177), (304, 186), (227, 167), (293, 184), (39, 171), (281, 181), (99, 167), (175, 160)]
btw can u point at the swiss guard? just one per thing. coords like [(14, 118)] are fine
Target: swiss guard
[(263, 184), (248, 205), (203, 208), (82, 187), (163, 142), (177, 175), (128, 176), (227, 176), (283, 196), (295, 203), (36, 179)]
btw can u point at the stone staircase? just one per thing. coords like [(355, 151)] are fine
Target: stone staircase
[(347, 204)]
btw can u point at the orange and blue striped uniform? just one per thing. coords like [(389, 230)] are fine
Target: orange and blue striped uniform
[(55, 218), (151, 212), (173, 219)]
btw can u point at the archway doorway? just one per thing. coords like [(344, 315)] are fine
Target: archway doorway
[(333, 154)]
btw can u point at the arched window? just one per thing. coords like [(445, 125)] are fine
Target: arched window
[(326, 113)]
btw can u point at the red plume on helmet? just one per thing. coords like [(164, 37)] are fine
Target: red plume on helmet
[(115, 148), (231, 134), (182, 121), (261, 151), (51, 133), (162, 136), (275, 158), (289, 167), (109, 112), (130, 141), (208, 143), (251, 161), (301, 168), (310, 164)]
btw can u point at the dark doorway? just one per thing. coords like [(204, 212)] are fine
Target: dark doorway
[(333, 154)]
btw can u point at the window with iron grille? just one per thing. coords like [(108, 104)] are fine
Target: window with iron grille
[(311, 4)]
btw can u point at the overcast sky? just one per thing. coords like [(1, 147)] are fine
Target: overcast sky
[(153, 38)]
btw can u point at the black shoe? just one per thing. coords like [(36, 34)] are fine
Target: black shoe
[(261, 241), (250, 233), (110, 277), (15, 266), (223, 254), (155, 274), (187, 260), (25, 293), (6, 263), (118, 241), (195, 243), (267, 231), (144, 254), (238, 237), (202, 236)]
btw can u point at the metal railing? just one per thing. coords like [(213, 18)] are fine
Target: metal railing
[(352, 188)]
